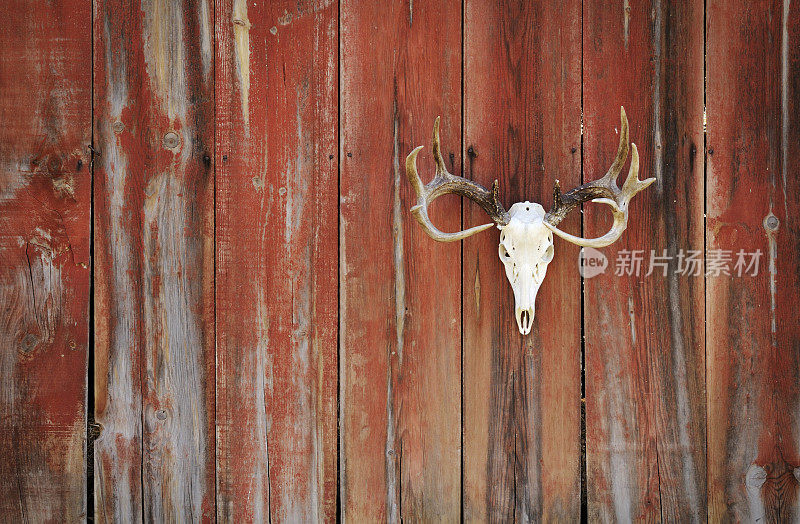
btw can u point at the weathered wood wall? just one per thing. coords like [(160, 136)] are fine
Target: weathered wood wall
[(45, 213), (210, 276), (154, 260), (522, 125), (645, 403), (753, 372), (276, 237), (400, 351)]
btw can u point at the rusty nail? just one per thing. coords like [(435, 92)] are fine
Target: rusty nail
[(161, 414), (118, 127)]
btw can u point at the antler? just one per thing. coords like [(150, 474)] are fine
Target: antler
[(443, 183), (603, 190)]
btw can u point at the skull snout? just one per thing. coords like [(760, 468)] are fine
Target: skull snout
[(525, 298)]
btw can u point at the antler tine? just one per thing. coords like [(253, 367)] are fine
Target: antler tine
[(443, 183), (441, 170), (603, 190), (622, 150), (632, 183)]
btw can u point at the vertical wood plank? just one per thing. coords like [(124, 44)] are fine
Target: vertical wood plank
[(45, 206), (400, 305), (277, 293), (154, 391), (753, 341), (645, 412), (521, 394)]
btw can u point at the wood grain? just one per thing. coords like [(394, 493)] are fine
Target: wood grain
[(154, 367), (45, 206), (753, 340), (521, 406), (277, 293), (645, 427), (400, 306)]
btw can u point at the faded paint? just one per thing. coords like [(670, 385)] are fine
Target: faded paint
[(241, 38), (477, 286), (65, 186), (626, 22), (632, 316), (658, 121), (206, 21), (116, 395), (621, 457), (683, 403), (677, 330), (393, 487), (296, 183), (772, 257), (785, 118), (262, 368), (342, 427), (165, 56), (281, 237), (755, 478), (175, 448), (619, 420), (397, 235), (297, 457), (116, 76), (154, 264)]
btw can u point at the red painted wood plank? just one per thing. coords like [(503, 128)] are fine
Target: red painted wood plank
[(753, 359), (277, 293), (521, 394), (45, 204), (645, 427), (154, 391), (400, 305)]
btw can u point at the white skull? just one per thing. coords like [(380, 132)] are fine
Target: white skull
[(526, 247)]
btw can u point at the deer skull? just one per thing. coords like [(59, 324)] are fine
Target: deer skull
[(526, 247), (526, 231)]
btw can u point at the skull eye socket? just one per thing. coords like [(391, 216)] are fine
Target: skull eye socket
[(504, 252)]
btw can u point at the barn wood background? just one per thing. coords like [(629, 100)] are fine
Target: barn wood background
[(215, 303)]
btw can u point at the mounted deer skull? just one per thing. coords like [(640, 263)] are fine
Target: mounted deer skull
[(526, 237)]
